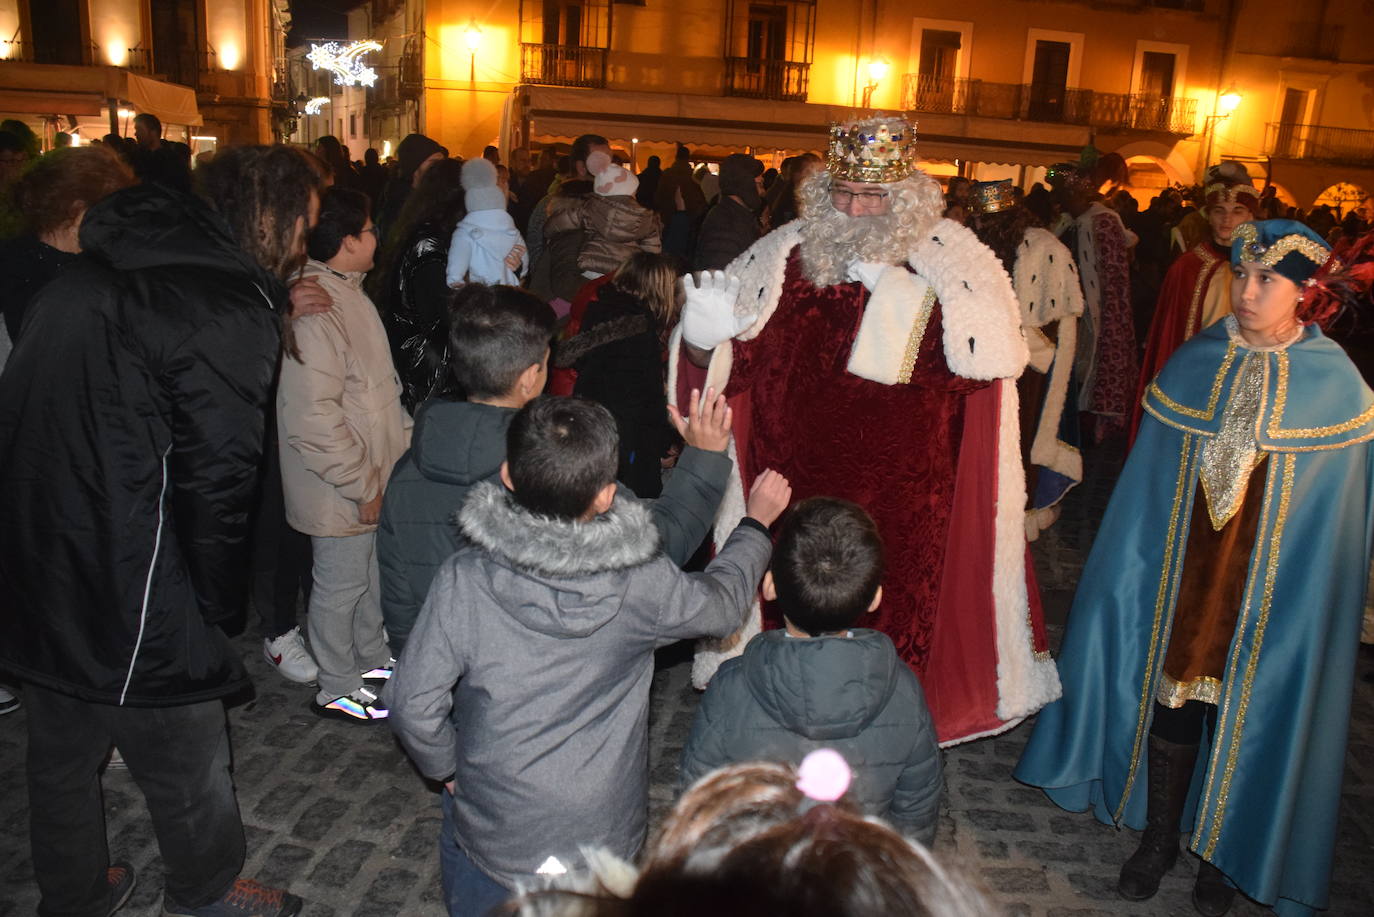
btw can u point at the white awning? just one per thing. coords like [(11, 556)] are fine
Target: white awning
[(58, 89), (557, 113)]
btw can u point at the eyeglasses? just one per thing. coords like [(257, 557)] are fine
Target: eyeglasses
[(843, 196), (375, 231)]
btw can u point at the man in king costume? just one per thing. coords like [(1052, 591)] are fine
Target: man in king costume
[(1197, 288), (874, 357)]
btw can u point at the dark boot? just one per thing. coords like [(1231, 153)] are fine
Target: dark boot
[(1212, 895), (1170, 771)]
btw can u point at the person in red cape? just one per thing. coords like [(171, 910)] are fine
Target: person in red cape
[(870, 350), (1197, 288)]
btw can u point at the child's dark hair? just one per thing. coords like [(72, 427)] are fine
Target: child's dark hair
[(495, 333), (342, 213), (560, 453), (827, 564)]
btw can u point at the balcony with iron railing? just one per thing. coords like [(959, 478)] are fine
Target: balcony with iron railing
[(563, 65), (1032, 102), (776, 80), (1318, 143)]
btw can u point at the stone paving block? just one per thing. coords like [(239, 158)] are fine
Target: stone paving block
[(421, 839), (386, 893), (1000, 820), (991, 850), (1047, 851), (339, 865), (1098, 887), (318, 818), (1016, 880), (283, 864), (280, 800)]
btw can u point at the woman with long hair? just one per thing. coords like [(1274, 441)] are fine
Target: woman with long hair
[(1210, 653), (619, 358)]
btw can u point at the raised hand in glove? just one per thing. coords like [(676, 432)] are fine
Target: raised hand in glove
[(708, 316)]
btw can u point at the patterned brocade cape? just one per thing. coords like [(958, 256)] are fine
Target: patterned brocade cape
[(1264, 800)]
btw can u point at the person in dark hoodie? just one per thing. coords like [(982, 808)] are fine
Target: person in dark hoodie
[(822, 682), (415, 154), (732, 223), (499, 349), (131, 428)]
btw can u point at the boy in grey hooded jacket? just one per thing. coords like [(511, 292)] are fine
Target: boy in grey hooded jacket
[(525, 685)]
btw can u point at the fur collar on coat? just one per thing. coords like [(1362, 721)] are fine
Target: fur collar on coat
[(622, 537)]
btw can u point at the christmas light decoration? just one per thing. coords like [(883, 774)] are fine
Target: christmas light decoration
[(314, 105), (345, 62)]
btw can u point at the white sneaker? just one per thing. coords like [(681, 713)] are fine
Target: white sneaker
[(288, 655)]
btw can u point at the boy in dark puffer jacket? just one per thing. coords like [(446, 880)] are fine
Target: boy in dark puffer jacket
[(822, 682)]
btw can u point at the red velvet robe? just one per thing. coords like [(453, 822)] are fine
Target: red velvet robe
[(921, 458), (1178, 311)]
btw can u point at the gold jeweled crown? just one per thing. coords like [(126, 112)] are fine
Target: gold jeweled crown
[(878, 149)]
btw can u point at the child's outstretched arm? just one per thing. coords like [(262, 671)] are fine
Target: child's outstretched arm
[(684, 512), (713, 603)]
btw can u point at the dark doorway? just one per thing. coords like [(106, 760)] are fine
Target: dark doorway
[(1049, 80), (176, 40), (937, 70), (56, 28), (1157, 74)]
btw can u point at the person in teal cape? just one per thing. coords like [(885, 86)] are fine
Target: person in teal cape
[(1210, 653)]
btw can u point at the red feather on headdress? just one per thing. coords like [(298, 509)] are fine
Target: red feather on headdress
[(1346, 279)]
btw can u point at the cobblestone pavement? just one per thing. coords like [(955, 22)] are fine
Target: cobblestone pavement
[(337, 814)]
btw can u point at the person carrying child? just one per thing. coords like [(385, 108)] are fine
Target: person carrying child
[(498, 354), (616, 225), (525, 686), (822, 681), (485, 246)]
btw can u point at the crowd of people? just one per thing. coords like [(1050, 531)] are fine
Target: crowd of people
[(502, 430)]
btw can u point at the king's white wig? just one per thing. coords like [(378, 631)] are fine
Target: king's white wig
[(832, 240)]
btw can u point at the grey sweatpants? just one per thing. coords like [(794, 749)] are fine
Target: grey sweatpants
[(345, 619)]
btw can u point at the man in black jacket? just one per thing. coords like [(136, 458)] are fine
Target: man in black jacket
[(732, 223), (131, 427)]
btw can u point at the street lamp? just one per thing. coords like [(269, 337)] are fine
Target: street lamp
[(1227, 102), (634, 154), (877, 72), (472, 36)]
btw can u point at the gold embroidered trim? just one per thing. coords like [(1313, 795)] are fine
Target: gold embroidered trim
[(1247, 684), (1203, 276), (1251, 250), (1175, 694), (1229, 458), (1281, 401), (1042, 656), (1168, 585), (1212, 399), (918, 333)]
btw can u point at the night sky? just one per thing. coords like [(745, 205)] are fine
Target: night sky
[(319, 19)]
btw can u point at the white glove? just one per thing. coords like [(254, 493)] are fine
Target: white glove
[(866, 272), (708, 316)]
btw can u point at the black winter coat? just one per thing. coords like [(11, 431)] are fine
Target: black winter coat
[(417, 318), (619, 363), (131, 426), (728, 229)]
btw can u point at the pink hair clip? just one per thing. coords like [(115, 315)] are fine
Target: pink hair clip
[(824, 776)]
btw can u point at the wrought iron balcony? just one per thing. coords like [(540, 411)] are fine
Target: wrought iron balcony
[(1034, 102), (780, 81), (1342, 145), (563, 65)]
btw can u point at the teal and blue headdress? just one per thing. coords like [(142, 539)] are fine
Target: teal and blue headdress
[(1286, 247)]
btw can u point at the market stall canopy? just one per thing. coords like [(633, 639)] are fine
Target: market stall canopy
[(62, 90)]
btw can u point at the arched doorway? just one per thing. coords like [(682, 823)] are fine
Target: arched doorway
[(1344, 197)]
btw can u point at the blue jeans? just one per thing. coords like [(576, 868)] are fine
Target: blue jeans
[(468, 891)]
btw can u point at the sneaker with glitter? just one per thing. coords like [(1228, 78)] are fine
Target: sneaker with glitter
[(360, 706), (288, 655), (245, 898), (120, 878)]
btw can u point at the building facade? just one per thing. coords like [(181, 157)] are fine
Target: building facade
[(207, 68)]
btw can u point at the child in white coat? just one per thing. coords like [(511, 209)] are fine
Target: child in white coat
[(483, 242)]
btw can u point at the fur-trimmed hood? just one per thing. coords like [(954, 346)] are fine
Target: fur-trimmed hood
[(584, 342), (580, 563)]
